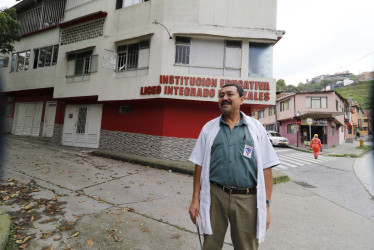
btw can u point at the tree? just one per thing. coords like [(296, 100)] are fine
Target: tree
[(281, 85), (9, 30)]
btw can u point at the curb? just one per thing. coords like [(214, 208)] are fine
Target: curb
[(4, 228), (175, 166)]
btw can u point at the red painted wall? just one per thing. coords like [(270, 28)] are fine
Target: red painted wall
[(145, 117), (162, 117)]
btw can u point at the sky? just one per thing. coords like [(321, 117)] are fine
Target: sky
[(322, 37)]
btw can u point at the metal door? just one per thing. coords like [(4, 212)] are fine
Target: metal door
[(82, 126)]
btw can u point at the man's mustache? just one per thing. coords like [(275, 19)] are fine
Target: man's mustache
[(225, 102)]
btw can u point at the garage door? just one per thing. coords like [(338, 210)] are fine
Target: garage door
[(27, 119)]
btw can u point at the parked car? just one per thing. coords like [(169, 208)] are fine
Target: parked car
[(276, 139)]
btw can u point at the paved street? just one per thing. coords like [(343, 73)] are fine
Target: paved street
[(106, 204), (290, 158)]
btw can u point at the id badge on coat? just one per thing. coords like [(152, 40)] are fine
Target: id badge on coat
[(248, 151)]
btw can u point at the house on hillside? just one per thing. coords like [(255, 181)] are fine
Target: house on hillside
[(367, 76), (140, 77), (289, 117)]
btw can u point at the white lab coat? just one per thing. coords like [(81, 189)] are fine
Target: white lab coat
[(265, 155)]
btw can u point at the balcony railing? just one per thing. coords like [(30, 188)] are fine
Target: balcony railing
[(44, 14)]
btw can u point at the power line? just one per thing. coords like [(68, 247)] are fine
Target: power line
[(357, 60)]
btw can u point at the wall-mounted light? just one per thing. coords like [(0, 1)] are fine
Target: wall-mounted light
[(156, 22)]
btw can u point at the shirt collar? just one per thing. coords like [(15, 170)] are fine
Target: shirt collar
[(241, 122)]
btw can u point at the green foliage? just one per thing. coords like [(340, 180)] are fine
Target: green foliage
[(280, 179), (11, 240), (281, 85), (9, 30), (361, 92)]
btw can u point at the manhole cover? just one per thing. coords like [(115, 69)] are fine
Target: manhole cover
[(304, 184)]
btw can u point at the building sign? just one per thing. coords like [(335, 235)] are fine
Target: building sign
[(206, 87), (316, 122)]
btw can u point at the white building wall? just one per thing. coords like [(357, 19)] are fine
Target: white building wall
[(245, 20), (31, 78)]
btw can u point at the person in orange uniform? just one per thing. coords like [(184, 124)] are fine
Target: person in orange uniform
[(316, 145)]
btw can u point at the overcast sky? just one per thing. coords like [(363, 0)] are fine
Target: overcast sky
[(322, 37)]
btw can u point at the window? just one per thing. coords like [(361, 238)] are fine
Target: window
[(182, 50), (316, 102), (271, 111), (45, 57), (209, 56), (337, 105), (260, 60), (291, 129), (124, 109), (270, 127), (261, 114), (125, 3), (4, 61), (285, 105), (9, 109), (20, 61), (82, 63), (133, 56)]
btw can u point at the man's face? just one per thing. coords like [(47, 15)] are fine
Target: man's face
[(229, 100)]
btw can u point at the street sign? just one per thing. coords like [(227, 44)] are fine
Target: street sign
[(309, 121)]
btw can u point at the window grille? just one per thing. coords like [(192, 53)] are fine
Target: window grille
[(81, 124), (182, 52), (128, 55), (124, 109)]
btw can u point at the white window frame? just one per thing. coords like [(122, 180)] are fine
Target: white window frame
[(123, 51), (271, 111), (283, 104), (310, 99), (261, 114), (53, 60), (15, 60), (89, 65), (291, 131), (181, 45), (184, 48)]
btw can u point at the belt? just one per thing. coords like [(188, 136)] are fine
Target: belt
[(233, 190)]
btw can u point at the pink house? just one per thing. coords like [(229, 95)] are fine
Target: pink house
[(327, 111)]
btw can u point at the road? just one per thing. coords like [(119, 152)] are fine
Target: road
[(96, 203)]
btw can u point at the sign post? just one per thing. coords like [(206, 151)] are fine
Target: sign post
[(310, 122)]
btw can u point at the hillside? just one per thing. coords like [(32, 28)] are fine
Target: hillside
[(361, 92)]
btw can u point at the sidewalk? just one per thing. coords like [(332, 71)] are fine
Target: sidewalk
[(342, 149)]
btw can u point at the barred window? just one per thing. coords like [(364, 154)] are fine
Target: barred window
[(133, 56), (270, 127), (82, 63), (182, 50)]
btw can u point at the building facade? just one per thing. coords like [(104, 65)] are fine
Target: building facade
[(135, 76), (290, 114)]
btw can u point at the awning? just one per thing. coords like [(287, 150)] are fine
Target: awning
[(349, 125)]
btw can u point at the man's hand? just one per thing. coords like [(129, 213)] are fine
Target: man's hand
[(268, 219), (194, 210)]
